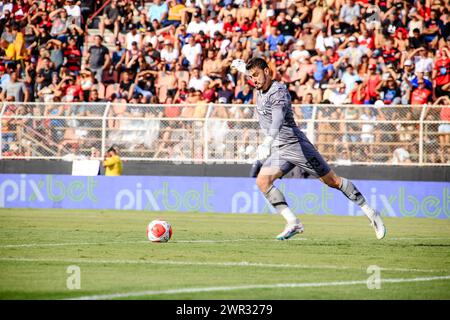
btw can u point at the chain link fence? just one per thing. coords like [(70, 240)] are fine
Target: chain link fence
[(220, 133)]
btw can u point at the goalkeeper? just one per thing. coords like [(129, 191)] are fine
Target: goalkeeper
[(286, 146)]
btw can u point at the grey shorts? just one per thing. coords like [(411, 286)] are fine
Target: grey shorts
[(299, 154)]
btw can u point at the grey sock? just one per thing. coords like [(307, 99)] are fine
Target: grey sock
[(276, 198), (352, 193)]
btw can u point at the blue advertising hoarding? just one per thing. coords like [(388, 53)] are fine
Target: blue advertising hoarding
[(218, 194)]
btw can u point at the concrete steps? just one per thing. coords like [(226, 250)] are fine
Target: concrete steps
[(108, 37)]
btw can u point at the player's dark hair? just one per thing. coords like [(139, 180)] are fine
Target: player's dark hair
[(112, 149), (257, 63)]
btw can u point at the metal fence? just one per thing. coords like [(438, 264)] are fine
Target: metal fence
[(206, 133)]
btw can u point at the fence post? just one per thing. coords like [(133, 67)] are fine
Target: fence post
[(108, 104), (205, 133), (2, 110), (422, 113), (311, 129)]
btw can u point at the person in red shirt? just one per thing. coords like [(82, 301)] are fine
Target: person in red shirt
[(358, 93), (231, 24), (332, 55), (421, 95), (372, 81), (72, 55), (247, 26), (441, 72), (72, 89)]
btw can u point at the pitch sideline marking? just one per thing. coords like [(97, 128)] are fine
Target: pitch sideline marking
[(215, 264), (256, 286), (26, 245)]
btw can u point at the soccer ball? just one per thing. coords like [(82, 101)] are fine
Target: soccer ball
[(159, 231)]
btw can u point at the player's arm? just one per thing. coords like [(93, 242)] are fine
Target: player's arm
[(278, 101), (110, 161)]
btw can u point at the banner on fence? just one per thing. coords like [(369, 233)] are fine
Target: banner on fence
[(216, 194)]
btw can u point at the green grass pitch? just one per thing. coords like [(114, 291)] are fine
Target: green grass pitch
[(218, 256)]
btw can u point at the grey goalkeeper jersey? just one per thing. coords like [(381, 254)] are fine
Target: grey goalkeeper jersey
[(275, 115)]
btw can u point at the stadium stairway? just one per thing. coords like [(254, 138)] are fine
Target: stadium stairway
[(108, 37)]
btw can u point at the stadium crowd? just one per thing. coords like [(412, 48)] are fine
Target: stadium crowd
[(164, 52)]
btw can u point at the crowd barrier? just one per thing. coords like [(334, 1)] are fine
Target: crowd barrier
[(219, 133)]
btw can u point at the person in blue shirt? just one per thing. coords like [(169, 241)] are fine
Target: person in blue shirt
[(158, 11), (420, 76), (324, 69), (246, 95), (274, 38)]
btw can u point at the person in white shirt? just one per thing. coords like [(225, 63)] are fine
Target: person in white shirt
[(422, 61), (349, 78), (299, 52), (132, 36), (169, 53), (349, 12), (368, 127), (150, 37), (73, 10), (416, 22), (323, 41), (214, 25), (338, 95), (197, 81), (196, 25), (351, 49), (400, 155), (4, 7), (192, 52)]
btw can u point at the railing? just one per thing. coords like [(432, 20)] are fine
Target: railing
[(207, 133)]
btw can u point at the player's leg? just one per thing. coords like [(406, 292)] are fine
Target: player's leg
[(264, 181), (309, 159), (353, 194)]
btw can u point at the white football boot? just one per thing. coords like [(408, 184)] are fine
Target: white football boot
[(290, 230), (376, 221)]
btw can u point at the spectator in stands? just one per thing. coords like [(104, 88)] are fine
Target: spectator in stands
[(389, 90), (110, 19), (72, 55), (169, 54), (176, 14), (441, 72), (15, 88), (126, 86), (197, 81), (133, 36), (191, 54), (401, 155), (98, 57), (158, 11), (349, 13), (421, 95), (197, 24), (275, 38), (245, 95)]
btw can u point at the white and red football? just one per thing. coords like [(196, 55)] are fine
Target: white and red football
[(159, 231)]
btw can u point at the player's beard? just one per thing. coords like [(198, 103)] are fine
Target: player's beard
[(260, 84)]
